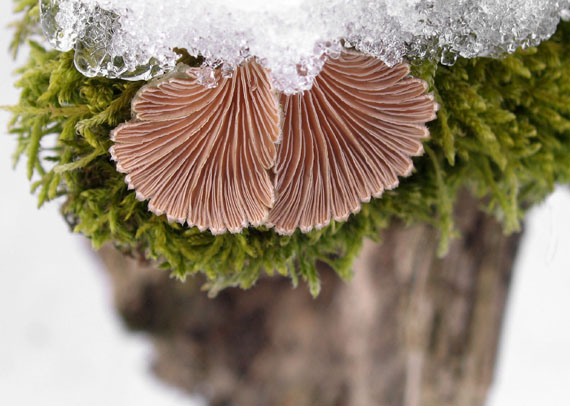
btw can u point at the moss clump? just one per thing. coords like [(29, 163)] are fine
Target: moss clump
[(503, 132)]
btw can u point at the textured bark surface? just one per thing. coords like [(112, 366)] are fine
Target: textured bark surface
[(410, 329)]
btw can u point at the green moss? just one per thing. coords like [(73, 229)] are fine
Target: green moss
[(503, 132)]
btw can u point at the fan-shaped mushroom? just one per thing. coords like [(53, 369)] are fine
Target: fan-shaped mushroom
[(202, 155), (346, 140)]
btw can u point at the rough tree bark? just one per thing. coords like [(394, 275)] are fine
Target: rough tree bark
[(410, 329)]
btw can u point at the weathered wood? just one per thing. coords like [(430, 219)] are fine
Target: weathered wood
[(410, 329)]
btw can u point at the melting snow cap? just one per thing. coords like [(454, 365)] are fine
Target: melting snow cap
[(135, 39)]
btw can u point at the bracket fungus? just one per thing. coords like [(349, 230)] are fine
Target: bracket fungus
[(213, 157), (346, 140), (202, 155)]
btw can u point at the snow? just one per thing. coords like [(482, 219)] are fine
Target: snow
[(135, 39)]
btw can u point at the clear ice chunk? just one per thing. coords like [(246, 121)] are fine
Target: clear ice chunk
[(135, 39)]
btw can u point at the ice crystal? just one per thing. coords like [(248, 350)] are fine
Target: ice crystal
[(135, 39)]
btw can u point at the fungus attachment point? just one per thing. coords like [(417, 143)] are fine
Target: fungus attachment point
[(202, 155), (347, 140)]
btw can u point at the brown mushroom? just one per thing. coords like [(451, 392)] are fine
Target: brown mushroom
[(347, 140), (201, 155)]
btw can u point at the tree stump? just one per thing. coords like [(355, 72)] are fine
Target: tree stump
[(410, 329)]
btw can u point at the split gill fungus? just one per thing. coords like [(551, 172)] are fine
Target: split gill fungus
[(225, 158)]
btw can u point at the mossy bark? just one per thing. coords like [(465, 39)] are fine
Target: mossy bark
[(410, 329)]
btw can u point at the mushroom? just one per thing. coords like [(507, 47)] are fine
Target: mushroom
[(347, 140), (202, 155)]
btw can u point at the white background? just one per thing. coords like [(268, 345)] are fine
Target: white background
[(62, 344)]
